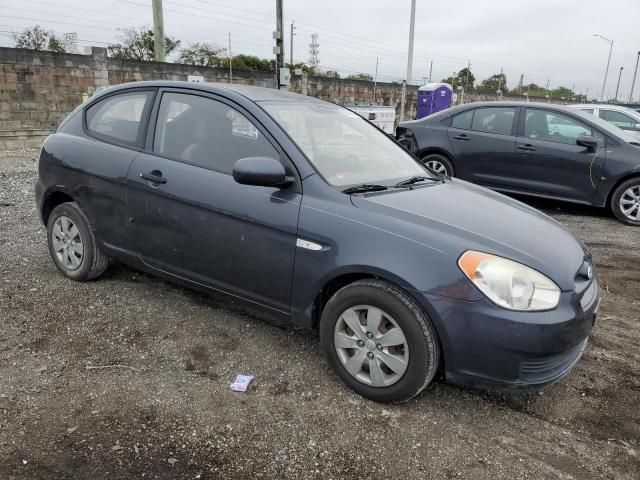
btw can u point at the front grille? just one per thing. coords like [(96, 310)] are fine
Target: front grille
[(548, 368)]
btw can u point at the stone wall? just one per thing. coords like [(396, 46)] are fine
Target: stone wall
[(37, 89)]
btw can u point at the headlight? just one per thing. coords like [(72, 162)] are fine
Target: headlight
[(509, 284)]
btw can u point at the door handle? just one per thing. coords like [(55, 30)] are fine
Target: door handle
[(155, 176), (527, 146), (462, 136)]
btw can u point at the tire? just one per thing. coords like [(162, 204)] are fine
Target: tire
[(420, 352), (627, 195), (436, 162), (72, 244)]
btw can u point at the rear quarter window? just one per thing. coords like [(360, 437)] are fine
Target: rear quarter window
[(118, 117)]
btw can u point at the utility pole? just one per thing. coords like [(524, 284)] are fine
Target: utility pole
[(521, 84), (466, 81), (158, 31), (586, 95), (500, 79), (314, 50), (291, 44), (635, 72), (375, 82), (279, 49), (412, 23), (606, 72), (615, 99), (430, 70), (230, 61)]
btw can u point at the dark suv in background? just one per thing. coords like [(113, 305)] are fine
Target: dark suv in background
[(535, 149)]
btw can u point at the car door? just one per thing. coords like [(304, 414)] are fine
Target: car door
[(194, 221), (550, 162), (483, 140)]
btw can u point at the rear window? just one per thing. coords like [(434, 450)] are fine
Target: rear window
[(118, 117)]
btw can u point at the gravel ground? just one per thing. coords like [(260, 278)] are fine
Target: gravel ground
[(128, 376)]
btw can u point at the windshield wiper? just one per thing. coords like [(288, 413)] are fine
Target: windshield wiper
[(413, 180), (364, 187)]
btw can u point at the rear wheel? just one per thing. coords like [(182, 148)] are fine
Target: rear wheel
[(72, 244), (379, 341), (439, 164), (625, 202)]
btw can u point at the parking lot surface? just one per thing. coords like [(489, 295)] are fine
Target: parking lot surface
[(128, 377)]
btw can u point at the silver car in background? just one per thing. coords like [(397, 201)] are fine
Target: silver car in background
[(622, 117)]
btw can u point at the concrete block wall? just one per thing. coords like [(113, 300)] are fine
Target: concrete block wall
[(37, 89)]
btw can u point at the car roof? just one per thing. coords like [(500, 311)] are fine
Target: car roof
[(251, 92)]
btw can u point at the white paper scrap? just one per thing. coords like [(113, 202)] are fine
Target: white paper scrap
[(241, 383)]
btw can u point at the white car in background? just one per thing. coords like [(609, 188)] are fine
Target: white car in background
[(622, 117)]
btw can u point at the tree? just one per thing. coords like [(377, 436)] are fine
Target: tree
[(249, 62), (37, 38), (328, 74), (303, 66), (463, 78), (203, 54), (361, 76), (493, 83), (138, 44)]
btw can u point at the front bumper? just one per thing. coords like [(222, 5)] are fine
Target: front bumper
[(486, 346)]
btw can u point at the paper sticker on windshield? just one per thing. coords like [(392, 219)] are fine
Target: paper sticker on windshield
[(241, 126), (348, 113)]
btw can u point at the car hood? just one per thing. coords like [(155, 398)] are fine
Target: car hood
[(456, 216)]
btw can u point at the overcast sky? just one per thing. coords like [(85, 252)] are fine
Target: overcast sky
[(544, 39)]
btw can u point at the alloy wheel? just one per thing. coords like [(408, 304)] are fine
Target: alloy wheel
[(371, 346), (67, 243), (437, 167), (630, 203)]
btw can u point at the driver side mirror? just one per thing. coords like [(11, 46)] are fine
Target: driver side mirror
[(588, 141), (262, 172)]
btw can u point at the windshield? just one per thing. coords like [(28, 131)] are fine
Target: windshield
[(608, 127), (342, 146)]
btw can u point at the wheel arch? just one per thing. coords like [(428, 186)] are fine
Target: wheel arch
[(440, 151), (51, 200), (346, 276)]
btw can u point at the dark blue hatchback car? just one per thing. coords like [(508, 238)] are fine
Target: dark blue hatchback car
[(304, 209)]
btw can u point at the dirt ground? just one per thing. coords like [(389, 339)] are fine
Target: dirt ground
[(128, 377)]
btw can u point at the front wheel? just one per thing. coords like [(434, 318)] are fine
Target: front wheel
[(625, 202), (439, 164), (378, 341)]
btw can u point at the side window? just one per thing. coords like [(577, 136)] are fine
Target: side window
[(118, 117), (619, 119), (463, 120), (556, 127), (498, 120), (207, 133)]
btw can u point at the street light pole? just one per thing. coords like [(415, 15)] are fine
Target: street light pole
[(635, 72), (615, 99), (606, 72), (412, 23)]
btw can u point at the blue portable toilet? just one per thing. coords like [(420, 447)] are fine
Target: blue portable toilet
[(432, 98)]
